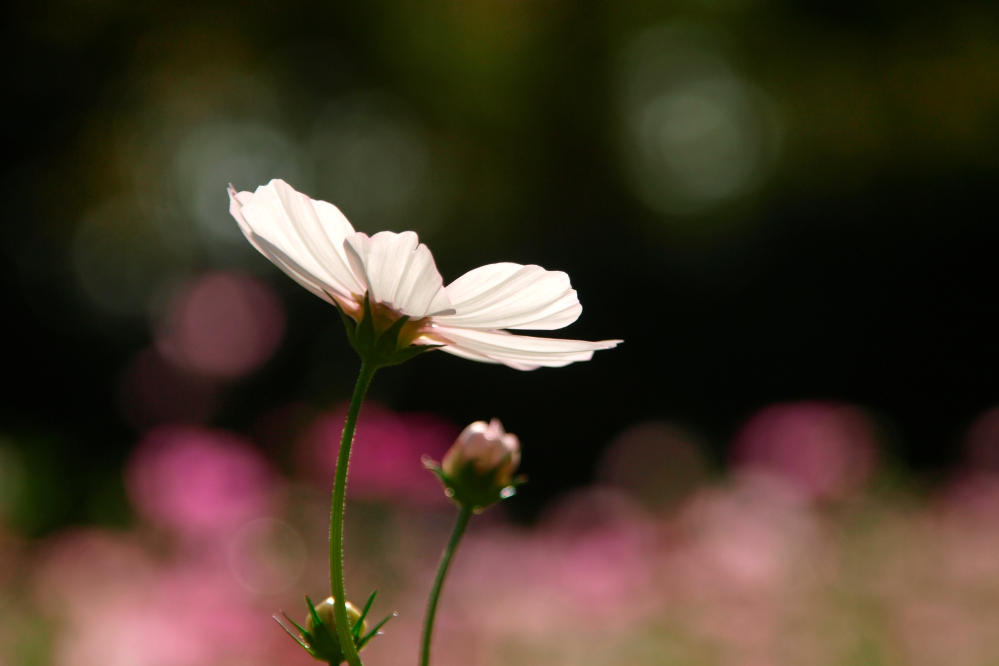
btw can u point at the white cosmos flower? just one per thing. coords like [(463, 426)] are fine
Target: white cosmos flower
[(315, 244)]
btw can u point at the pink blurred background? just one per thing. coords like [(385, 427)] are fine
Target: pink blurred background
[(806, 552)]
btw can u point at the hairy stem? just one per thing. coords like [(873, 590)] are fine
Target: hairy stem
[(428, 622), (336, 516)]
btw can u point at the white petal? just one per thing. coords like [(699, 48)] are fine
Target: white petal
[(308, 233), (399, 271), (236, 202), (517, 351), (275, 255), (322, 228), (512, 296)]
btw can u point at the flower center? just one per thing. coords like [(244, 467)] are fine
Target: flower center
[(384, 316)]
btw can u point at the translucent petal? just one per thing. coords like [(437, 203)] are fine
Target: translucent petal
[(298, 274), (399, 271), (468, 354), (309, 234), (517, 351), (512, 296), (322, 228)]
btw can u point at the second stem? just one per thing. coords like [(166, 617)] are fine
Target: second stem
[(428, 622), (337, 512)]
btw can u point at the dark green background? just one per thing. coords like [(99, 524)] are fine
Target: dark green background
[(862, 270)]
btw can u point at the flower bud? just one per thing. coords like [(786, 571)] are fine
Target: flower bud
[(319, 638), (478, 469), (325, 613)]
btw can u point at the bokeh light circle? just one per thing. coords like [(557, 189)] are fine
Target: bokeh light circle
[(696, 134), (224, 324), (246, 154), (267, 556), (658, 462), (375, 162), (119, 258), (823, 449), (199, 482)]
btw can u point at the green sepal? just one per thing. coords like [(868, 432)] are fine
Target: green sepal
[(387, 342), (379, 349), (300, 628), (298, 639), (364, 335), (434, 467), (356, 629), (471, 489), (348, 322), (324, 642), (406, 353), (374, 632)]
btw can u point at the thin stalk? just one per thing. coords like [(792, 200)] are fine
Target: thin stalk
[(428, 622), (336, 516)]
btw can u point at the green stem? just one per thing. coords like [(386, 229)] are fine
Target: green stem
[(336, 516), (428, 622)]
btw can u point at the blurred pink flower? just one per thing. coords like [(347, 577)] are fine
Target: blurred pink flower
[(120, 607), (963, 527), (200, 482), (564, 576), (76, 567), (746, 557), (972, 493), (598, 547), (826, 450), (748, 539), (658, 462), (222, 325), (941, 631), (385, 461)]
